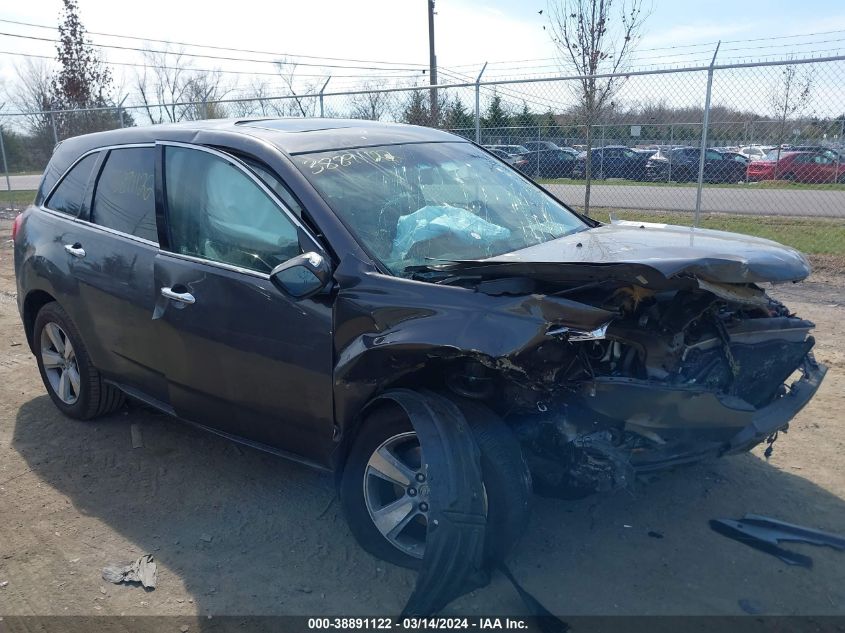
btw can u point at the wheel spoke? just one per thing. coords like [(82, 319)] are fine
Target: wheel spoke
[(73, 375), (51, 359), (385, 464), (64, 387), (55, 336), (394, 516), (68, 353), (404, 522)]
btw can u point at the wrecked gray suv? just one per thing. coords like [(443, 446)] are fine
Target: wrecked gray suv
[(398, 305)]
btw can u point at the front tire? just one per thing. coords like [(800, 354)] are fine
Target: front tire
[(71, 380), (384, 494)]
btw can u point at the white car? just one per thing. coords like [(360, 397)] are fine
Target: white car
[(755, 152)]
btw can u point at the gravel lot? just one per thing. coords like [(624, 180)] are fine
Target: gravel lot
[(236, 531)]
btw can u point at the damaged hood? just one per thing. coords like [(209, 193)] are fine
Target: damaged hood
[(716, 256)]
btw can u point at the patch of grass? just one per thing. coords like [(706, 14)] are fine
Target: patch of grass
[(747, 186), (19, 199), (813, 236)]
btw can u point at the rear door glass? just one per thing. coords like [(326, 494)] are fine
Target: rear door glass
[(124, 199), (70, 193)]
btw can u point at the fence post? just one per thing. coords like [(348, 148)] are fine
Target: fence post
[(120, 110), (601, 160), (6, 168), (53, 121), (322, 112), (671, 144), (478, 104), (838, 152), (704, 125)]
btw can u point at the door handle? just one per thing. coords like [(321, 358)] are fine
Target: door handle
[(75, 249), (184, 297)]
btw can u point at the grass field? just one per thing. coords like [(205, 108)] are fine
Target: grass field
[(750, 186), (16, 198), (814, 236)]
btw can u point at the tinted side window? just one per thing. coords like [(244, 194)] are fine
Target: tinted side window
[(216, 212), (125, 196), (272, 180), (68, 196)]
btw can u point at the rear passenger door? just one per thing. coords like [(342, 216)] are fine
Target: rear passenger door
[(113, 266)]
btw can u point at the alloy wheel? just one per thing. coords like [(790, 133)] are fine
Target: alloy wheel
[(396, 493), (60, 364)]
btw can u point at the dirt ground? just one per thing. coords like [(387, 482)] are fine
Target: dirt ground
[(237, 531)]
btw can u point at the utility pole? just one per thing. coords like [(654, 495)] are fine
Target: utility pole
[(432, 63)]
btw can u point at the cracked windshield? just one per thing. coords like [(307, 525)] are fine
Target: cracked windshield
[(417, 204)]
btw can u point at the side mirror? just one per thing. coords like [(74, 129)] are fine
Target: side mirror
[(302, 276)]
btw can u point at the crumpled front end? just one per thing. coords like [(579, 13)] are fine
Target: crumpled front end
[(604, 370), (678, 375)]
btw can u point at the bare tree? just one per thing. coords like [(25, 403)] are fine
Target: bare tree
[(170, 90), (592, 39), (32, 94), (303, 102), (789, 97), (371, 105), (163, 84), (256, 99), (204, 91)]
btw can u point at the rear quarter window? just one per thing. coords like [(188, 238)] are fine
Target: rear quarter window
[(70, 193), (124, 199)]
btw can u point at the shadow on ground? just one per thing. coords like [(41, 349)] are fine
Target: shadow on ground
[(237, 531)]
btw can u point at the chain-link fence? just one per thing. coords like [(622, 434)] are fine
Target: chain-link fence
[(757, 147)]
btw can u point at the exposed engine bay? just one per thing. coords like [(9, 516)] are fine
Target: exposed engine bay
[(673, 376)]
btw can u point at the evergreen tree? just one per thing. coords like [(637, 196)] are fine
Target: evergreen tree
[(526, 123), (82, 81), (417, 110), (459, 119), (496, 117)]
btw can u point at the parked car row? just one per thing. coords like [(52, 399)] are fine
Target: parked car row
[(674, 163), (682, 164), (538, 159)]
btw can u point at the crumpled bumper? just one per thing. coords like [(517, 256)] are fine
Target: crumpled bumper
[(695, 423), (777, 415)]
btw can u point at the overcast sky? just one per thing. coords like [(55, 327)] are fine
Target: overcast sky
[(467, 33)]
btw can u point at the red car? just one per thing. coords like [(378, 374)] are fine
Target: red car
[(770, 167), (821, 167)]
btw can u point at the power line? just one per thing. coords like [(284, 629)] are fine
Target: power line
[(218, 57), (227, 72), (543, 103), (220, 48), (679, 46), (637, 58)]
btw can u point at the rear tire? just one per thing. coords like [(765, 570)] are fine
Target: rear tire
[(506, 480), (71, 380)]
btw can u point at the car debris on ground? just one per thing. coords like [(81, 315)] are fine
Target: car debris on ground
[(142, 570), (765, 534)]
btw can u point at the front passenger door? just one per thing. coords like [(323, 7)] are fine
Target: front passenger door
[(242, 357)]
